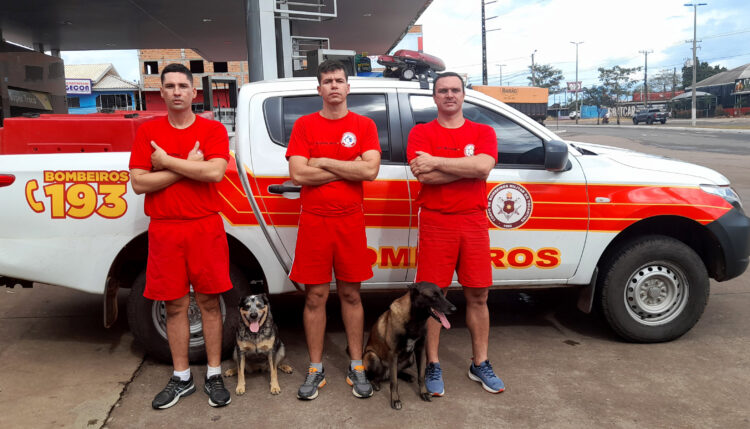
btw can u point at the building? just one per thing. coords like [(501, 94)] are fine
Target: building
[(153, 61), (731, 89), (93, 88)]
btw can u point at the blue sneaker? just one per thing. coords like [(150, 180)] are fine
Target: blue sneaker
[(485, 375), (433, 379)]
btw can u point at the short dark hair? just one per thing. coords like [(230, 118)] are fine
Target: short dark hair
[(177, 68), (329, 66), (447, 74)]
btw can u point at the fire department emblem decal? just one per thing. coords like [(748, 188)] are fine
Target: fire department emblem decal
[(348, 139), (509, 205), (469, 150)]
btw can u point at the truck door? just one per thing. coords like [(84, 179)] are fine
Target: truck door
[(387, 199), (538, 219)]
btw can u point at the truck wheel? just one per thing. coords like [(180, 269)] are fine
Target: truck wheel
[(147, 320), (654, 289), (635, 121), (663, 121)]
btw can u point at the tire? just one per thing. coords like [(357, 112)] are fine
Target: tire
[(147, 320), (635, 121), (663, 121), (653, 289)]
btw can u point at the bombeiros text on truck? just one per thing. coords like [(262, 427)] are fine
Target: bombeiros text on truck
[(636, 235)]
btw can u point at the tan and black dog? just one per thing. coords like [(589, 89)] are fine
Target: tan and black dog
[(399, 335), (258, 344)]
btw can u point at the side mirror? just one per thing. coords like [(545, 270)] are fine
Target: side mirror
[(556, 156)]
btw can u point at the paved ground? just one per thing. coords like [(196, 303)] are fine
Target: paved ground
[(563, 369)]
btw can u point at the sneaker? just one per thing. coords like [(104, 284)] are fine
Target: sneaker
[(433, 379), (218, 396), (361, 387), (485, 375), (315, 379), (175, 389)]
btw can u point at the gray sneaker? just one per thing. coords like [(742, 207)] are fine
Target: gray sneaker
[(361, 387), (315, 379)]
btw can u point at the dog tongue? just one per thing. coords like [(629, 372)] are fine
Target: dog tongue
[(443, 319), (254, 326)]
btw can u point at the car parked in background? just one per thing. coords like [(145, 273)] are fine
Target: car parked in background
[(650, 116)]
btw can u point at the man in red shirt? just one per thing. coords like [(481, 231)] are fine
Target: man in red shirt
[(452, 157), (176, 161), (330, 153)]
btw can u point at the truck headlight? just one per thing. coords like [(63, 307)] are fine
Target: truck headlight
[(725, 192)]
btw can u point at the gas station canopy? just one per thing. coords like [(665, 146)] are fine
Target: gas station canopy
[(217, 29)]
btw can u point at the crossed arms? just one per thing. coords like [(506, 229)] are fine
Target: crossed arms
[(435, 170), (168, 170), (319, 171)]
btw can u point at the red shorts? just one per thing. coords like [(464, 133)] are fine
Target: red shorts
[(186, 252), (454, 242), (325, 242)]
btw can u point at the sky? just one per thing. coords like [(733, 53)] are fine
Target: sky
[(612, 34)]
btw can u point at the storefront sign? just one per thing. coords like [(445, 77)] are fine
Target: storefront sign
[(78, 86)]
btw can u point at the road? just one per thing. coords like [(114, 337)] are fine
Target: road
[(562, 368)]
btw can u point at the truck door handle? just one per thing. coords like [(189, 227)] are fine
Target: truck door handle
[(282, 189)]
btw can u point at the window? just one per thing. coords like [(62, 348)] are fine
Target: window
[(196, 66), (112, 102), (221, 67), (515, 144), (282, 112), (74, 102), (150, 67)]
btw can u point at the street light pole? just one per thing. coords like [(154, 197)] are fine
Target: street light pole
[(578, 109), (695, 25), (645, 75), (533, 69)]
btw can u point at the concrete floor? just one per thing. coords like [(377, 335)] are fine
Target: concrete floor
[(563, 369)]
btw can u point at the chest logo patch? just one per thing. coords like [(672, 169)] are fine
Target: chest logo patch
[(469, 150), (348, 139), (509, 205)]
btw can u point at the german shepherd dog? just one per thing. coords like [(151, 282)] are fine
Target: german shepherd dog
[(399, 335), (258, 344)]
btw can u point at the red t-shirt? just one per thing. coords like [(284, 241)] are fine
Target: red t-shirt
[(463, 195), (187, 198), (344, 139)]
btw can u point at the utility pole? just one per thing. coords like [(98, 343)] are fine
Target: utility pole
[(578, 89), (695, 25), (484, 41), (645, 75), (500, 66), (533, 69)]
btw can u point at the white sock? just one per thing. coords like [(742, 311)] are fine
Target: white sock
[(213, 370), (184, 375)]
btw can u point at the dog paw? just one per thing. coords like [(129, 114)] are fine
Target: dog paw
[(230, 372), (396, 405), (286, 368), (375, 386), (426, 396), (275, 390), (240, 390)]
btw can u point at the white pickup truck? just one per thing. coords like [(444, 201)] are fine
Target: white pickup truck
[(638, 235)]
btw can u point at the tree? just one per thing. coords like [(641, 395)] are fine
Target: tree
[(595, 96), (546, 77), (617, 83), (704, 71)]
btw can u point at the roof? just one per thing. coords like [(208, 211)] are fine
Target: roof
[(689, 94), (89, 71), (725, 78), (111, 82)]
